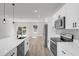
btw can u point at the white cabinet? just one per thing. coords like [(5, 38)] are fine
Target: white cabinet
[(72, 16), (12, 52), (48, 44), (71, 12), (67, 49), (62, 49), (63, 52), (26, 45)]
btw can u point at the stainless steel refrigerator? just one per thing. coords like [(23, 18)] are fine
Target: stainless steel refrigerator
[(45, 34)]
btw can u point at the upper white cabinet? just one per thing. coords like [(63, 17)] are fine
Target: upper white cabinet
[(72, 16), (70, 11)]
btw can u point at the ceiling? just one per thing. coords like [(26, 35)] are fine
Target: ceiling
[(33, 10), (36, 10)]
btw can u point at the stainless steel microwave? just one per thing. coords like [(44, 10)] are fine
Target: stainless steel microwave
[(60, 23)]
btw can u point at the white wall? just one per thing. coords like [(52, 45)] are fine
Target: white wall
[(29, 28), (67, 10), (21, 24), (6, 30), (40, 28)]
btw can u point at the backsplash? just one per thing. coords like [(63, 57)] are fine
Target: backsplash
[(75, 32)]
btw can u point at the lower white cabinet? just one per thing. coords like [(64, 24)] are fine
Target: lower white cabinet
[(63, 52), (68, 48), (12, 52), (21, 49), (26, 45), (64, 49), (48, 44)]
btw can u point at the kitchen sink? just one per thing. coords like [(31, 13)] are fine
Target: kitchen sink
[(21, 37)]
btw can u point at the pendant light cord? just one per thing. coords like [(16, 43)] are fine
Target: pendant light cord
[(13, 11), (4, 10), (4, 21)]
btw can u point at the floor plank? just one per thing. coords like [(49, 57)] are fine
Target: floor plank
[(36, 47)]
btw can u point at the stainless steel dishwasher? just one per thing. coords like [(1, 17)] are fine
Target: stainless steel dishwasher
[(20, 49)]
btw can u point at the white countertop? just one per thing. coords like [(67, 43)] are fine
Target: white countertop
[(8, 44)]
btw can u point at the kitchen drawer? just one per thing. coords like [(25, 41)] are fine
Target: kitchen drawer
[(63, 52), (71, 47), (12, 52)]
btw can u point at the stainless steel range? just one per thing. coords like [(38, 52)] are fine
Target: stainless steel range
[(53, 45), (62, 38), (66, 37)]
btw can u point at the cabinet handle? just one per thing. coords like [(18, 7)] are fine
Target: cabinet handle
[(63, 52), (12, 54), (73, 25), (48, 41), (27, 43)]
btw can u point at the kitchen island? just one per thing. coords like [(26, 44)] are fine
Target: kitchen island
[(8, 44)]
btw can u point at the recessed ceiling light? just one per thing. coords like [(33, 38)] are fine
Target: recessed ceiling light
[(35, 11), (39, 16)]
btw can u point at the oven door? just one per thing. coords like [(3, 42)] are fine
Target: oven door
[(53, 48)]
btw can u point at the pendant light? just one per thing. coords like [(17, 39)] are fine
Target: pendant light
[(13, 12), (4, 21)]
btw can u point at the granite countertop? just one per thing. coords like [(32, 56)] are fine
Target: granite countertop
[(7, 44), (56, 39)]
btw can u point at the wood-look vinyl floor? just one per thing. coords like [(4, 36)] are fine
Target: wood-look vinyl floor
[(36, 47)]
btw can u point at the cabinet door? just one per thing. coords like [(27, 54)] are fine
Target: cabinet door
[(76, 12), (26, 45), (72, 16), (48, 44), (63, 52), (63, 49), (71, 48)]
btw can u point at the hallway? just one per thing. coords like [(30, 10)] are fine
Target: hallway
[(37, 48)]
